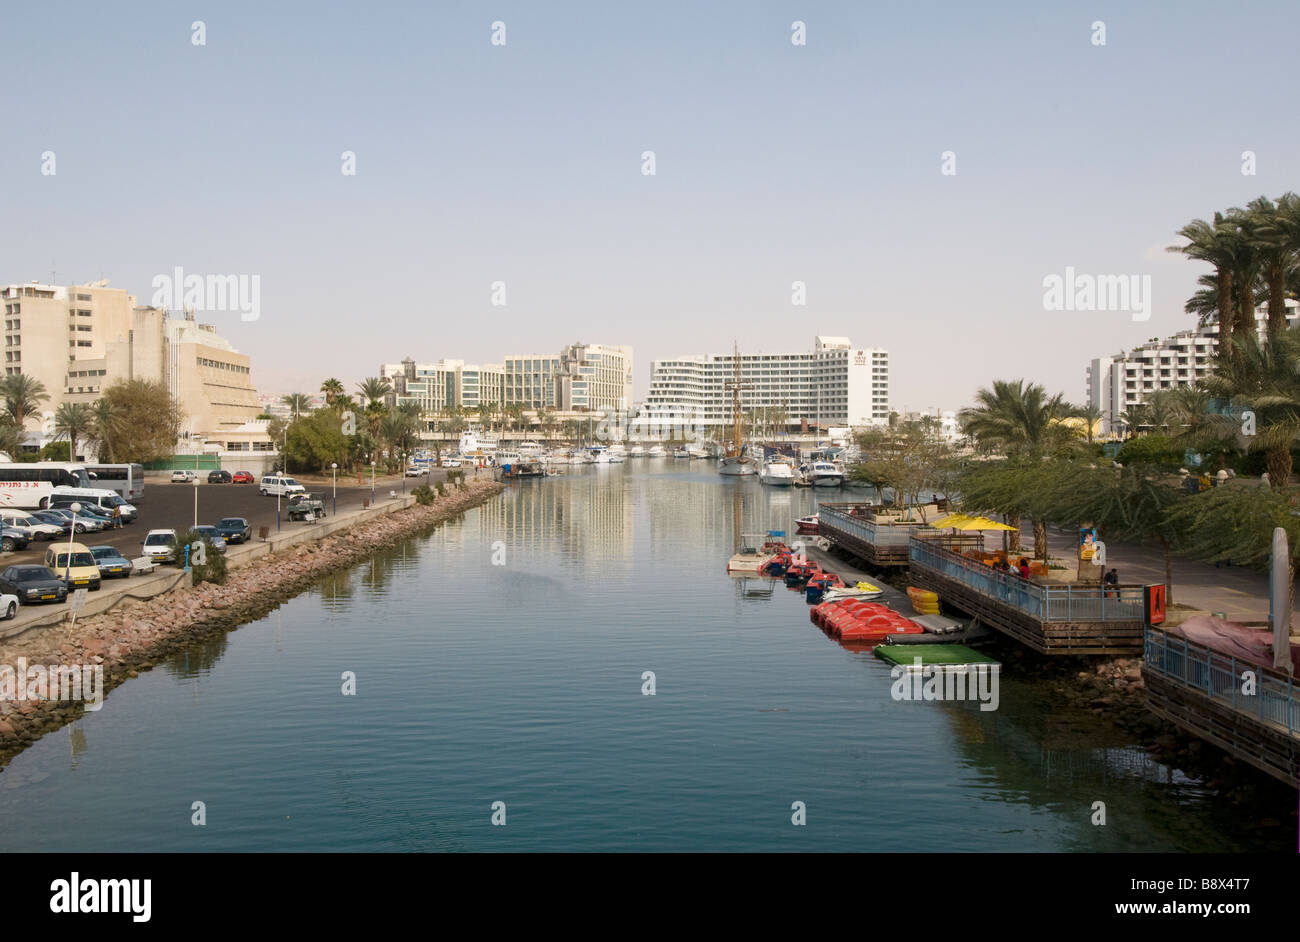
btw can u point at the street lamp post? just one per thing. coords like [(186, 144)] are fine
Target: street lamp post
[(334, 466), (372, 483), (67, 571), (196, 502), (401, 460)]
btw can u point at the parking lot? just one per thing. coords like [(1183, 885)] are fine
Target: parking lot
[(171, 506)]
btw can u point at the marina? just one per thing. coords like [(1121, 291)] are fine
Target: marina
[(449, 717)]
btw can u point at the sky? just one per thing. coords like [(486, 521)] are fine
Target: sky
[(522, 163)]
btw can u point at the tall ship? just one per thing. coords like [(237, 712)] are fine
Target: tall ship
[(737, 461)]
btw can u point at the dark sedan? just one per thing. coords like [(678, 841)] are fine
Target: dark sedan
[(11, 539), (235, 529), (33, 584), (218, 477), (112, 564)]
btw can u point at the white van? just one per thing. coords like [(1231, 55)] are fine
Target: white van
[(274, 485), (101, 497)]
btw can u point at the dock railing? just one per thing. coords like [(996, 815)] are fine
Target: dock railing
[(864, 527), (1275, 702), (1046, 603)]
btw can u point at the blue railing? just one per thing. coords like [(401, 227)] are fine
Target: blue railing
[(1046, 603), (1275, 702), (878, 534)]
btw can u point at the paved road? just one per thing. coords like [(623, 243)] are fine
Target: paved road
[(171, 506)]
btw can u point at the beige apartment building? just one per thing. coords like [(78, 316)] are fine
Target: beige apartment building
[(78, 340)]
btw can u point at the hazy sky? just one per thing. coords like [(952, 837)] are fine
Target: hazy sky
[(522, 163)]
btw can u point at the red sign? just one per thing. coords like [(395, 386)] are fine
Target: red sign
[(1153, 604)]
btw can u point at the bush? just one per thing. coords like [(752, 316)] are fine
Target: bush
[(442, 489), (214, 567), (1153, 449), (456, 478), (424, 494)]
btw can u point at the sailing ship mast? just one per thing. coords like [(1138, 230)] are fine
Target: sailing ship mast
[(737, 431)]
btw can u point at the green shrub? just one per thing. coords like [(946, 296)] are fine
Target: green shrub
[(424, 494), (442, 489), (214, 567), (1153, 449)]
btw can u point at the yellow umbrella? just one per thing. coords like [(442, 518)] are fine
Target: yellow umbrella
[(980, 523), (950, 520)]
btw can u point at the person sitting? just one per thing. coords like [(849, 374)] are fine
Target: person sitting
[(1023, 566)]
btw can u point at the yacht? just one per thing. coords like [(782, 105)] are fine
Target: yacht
[(657, 451), (824, 474), (777, 472), (681, 452), (698, 451), (637, 451)]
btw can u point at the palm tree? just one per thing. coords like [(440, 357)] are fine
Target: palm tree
[(105, 424), (1213, 243), (1090, 414), (72, 420), (1024, 423), (298, 403), (1276, 236), (373, 390), (23, 396), (1263, 377), (332, 388)]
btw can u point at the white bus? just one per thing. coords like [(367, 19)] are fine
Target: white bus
[(29, 484), (126, 479)]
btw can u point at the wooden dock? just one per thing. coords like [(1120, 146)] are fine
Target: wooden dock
[(877, 535), (1051, 619), (1202, 691)]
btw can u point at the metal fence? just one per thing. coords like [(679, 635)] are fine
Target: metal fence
[(878, 534), (1047, 603), (1219, 677)]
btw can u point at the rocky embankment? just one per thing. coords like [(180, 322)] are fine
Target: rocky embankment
[(135, 635)]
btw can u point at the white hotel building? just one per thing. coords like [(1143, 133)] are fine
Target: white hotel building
[(834, 384), (1117, 383)]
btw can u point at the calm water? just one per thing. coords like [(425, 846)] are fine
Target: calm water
[(522, 683)]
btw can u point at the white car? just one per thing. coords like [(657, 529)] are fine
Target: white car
[(415, 471), (9, 605), (35, 529), (184, 477), (277, 485), (159, 546)]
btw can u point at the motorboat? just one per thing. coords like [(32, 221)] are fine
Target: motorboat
[(617, 456), (657, 451), (861, 590), (808, 524), (777, 473), (825, 474), (637, 451), (698, 451), (682, 452)]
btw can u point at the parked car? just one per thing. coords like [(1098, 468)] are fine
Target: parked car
[(219, 477), (184, 477), (33, 584), (74, 563), (111, 563), (11, 539), (88, 511), (235, 529), (302, 506), (55, 518), (105, 501), (36, 528), (274, 485), (84, 524), (243, 477), (9, 605), (416, 470), (159, 546), (213, 536)]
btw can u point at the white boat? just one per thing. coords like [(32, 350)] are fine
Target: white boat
[(698, 451), (682, 452), (530, 450), (824, 474), (617, 457), (777, 473), (657, 451), (599, 455), (637, 451)]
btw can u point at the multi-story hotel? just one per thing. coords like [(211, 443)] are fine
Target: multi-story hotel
[(1116, 384), (78, 340), (582, 377), (834, 384)]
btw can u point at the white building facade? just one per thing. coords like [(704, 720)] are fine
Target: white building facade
[(1116, 384), (835, 384)]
